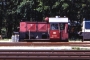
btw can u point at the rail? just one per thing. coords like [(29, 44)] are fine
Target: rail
[(45, 55), (44, 43)]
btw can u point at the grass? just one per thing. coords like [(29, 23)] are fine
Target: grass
[(77, 40), (4, 40)]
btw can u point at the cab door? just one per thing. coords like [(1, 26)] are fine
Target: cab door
[(54, 31), (63, 31)]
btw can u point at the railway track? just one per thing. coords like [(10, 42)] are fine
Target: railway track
[(45, 55), (44, 43)]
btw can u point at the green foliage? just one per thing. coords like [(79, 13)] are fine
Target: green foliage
[(33, 10), (56, 4), (65, 6), (24, 6)]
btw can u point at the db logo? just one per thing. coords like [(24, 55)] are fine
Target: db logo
[(54, 32)]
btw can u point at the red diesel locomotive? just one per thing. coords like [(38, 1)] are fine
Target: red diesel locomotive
[(56, 29)]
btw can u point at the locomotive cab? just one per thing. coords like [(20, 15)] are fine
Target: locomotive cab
[(54, 31), (59, 29)]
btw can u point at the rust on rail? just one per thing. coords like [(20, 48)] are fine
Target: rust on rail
[(44, 43)]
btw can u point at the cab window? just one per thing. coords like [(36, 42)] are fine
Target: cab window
[(62, 26), (87, 24), (54, 26)]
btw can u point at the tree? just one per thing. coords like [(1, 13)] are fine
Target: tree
[(13, 11)]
